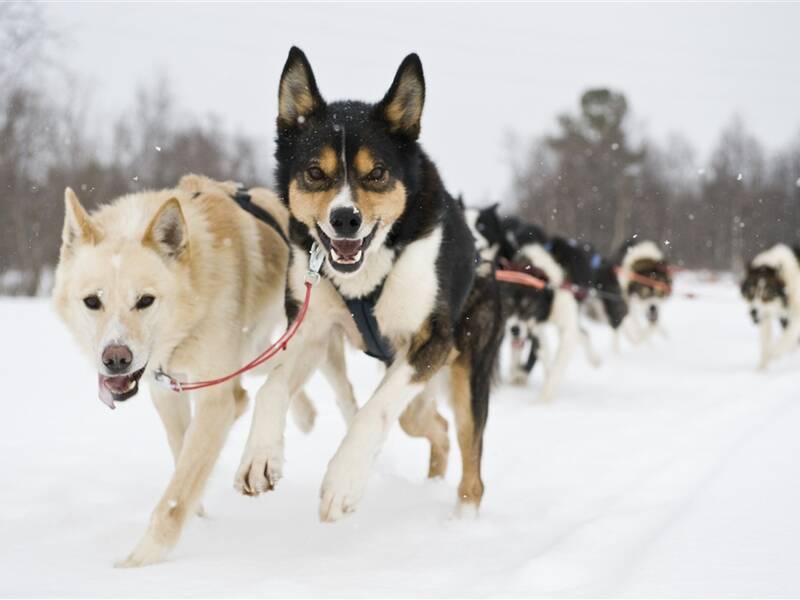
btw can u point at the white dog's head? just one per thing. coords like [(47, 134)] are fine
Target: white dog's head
[(120, 271)]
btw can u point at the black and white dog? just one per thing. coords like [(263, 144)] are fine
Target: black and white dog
[(646, 282), (399, 279), (576, 277), (771, 288)]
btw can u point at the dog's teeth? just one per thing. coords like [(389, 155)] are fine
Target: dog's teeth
[(335, 255)]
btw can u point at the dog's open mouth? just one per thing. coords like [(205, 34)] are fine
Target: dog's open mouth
[(345, 254), (517, 342), (118, 388)]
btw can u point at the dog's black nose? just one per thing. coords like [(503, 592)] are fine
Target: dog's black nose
[(515, 330), (345, 221), (754, 315), (117, 358)]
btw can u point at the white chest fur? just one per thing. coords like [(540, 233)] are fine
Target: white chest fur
[(409, 293)]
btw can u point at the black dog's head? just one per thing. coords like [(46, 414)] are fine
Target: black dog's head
[(347, 169), (487, 229)]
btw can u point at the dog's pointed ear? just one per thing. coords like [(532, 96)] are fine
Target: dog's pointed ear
[(167, 233), (298, 95), (402, 106), (78, 225)]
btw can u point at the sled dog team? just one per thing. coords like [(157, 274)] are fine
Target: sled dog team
[(198, 279)]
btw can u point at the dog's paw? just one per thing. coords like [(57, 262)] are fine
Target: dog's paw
[(147, 552), (342, 488), (260, 470)]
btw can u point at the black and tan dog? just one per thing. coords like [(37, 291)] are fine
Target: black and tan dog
[(399, 280)]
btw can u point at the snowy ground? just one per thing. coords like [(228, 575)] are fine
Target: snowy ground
[(670, 471)]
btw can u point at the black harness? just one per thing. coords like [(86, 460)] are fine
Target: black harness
[(363, 312), (243, 198)]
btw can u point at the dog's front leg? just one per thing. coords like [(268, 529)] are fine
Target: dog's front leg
[(765, 335), (215, 411), (788, 339), (262, 461), (349, 468), (565, 317)]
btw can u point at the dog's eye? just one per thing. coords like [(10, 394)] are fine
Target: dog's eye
[(145, 301), (377, 174), (315, 174), (92, 302)]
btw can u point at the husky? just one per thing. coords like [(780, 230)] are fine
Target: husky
[(399, 279), (772, 289), (570, 269), (646, 283), (186, 281)]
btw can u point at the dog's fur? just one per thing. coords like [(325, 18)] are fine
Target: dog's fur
[(215, 278), (643, 258), (772, 289), (406, 247)]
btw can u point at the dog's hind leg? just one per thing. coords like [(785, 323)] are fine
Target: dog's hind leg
[(214, 415), (469, 427), (421, 419), (334, 369), (303, 412), (565, 317)]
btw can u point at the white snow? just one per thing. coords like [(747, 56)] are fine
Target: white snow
[(670, 471)]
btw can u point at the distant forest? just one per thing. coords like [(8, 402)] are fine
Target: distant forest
[(588, 181)]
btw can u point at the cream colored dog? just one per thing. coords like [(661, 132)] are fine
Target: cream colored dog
[(186, 281)]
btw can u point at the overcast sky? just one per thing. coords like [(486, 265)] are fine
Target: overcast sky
[(490, 69)]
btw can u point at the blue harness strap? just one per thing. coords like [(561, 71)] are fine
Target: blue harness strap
[(363, 313)]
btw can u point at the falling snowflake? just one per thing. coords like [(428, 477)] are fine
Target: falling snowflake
[(797, 183), (739, 177), (135, 178), (615, 146), (158, 148)]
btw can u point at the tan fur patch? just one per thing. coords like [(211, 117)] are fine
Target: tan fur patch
[(307, 207), (364, 162), (385, 207), (329, 161)]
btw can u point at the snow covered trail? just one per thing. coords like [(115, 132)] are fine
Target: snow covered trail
[(670, 471)]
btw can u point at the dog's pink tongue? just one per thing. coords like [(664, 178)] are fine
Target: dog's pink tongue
[(104, 393), (347, 248)]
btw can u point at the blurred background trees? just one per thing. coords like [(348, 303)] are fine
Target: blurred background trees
[(595, 178), (590, 182), (47, 144)]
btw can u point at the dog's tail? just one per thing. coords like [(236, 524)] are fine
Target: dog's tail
[(303, 412)]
